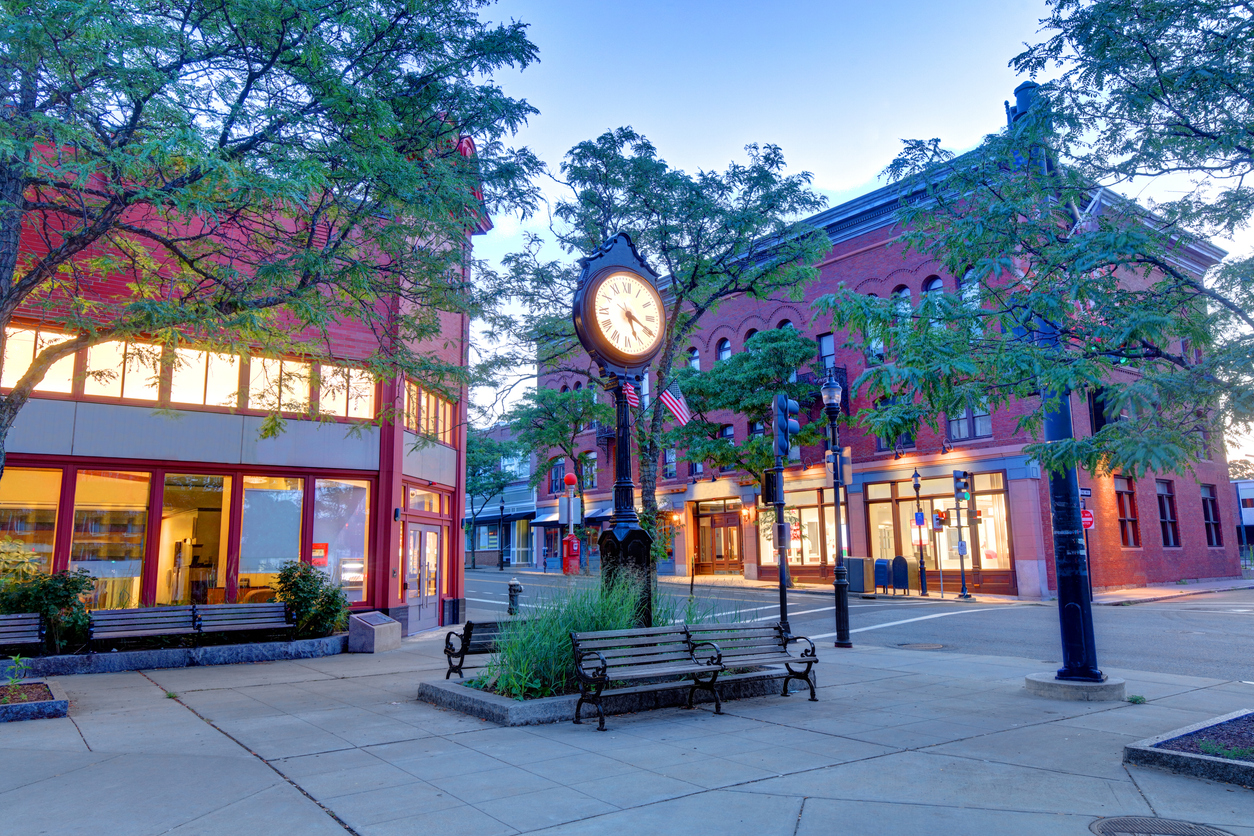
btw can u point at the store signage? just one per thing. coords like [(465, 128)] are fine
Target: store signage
[(1086, 517), (1086, 491), (320, 554)]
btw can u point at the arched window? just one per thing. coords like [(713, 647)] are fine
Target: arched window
[(578, 386), (933, 285), (901, 303), (694, 358), (565, 389), (874, 347), (724, 349), (749, 334), (784, 323)]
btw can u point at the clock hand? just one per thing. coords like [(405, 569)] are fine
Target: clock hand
[(631, 319)]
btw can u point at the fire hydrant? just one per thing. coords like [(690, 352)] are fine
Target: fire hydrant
[(515, 589)]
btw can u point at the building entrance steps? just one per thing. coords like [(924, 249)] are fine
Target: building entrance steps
[(944, 742)]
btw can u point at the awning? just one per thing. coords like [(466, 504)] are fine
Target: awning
[(546, 519), (599, 514)]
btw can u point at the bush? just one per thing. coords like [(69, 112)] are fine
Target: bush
[(318, 608), (58, 598), (534, 656)]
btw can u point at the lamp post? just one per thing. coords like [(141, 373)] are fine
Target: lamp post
[(919, 527), (500, 539), (831, 391)]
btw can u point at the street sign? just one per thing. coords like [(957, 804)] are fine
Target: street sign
[(1086, 491), (1086, 517), (918, 519)]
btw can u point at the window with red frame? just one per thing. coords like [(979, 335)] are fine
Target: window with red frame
[(1129, 528)]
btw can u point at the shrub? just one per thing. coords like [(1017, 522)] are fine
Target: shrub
[(318, 607), (534, 654), (58, 598)]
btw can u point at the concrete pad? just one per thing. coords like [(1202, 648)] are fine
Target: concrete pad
[(720, 812), (1136, 720), (378, 775), (222, 705), (361, 727), (1194, 799), (305, 765), (233, 676), (918, 734), (1211, 701), (919, 778), (434, 757), (22, 768), (1075, 751), (1046, 685), (181, 734), (822, 817), (280, 810), (515, 745), (544, 808), (586, 766), (649, 755), (52, 735), (715, 773)]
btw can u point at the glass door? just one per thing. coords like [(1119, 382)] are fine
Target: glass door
[(422, 576)]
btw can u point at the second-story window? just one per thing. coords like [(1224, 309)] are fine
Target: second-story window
[(20, 347), (827, 350), (1125, 497), (668, 463), (974, 423), (129, 370), (278, 384), (723, 349), (696, 468), (728, 433), (590, 469), (345, 392), (557, 476), (756, 428), (204, 378), (694, 359), (883, 445), (426, 413)]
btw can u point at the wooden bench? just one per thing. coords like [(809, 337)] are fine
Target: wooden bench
[(136, 623), (23, 628), (475, 639), (638, 655), (222, 618), (745, 647)]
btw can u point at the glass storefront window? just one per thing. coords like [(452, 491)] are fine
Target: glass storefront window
[(420, 500), (19, 352), (340, 533), (110, 523), (883, 490), (270, 533), (191, 558), (28, 521), (880, 530)]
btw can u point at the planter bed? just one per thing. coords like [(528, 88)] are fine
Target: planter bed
[(184, 657), (511, 712), (1179, 750), (50, 701)]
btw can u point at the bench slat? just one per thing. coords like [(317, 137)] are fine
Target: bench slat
[(645, 641), (652, 671), (630, 632)]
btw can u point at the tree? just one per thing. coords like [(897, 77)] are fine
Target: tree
[(746, 385), (241, 175), (486, 475), (1240, 469), (547, 425), (713, 235), (1069, 286)]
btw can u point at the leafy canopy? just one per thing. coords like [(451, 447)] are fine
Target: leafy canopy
[(242, 174), (486, 475), (1067, 284), (547, 424)]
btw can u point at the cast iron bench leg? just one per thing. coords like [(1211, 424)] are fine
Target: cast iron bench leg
[(806, 676), (697, 682)]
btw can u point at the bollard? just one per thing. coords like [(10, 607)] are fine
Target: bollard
[(515, 589)]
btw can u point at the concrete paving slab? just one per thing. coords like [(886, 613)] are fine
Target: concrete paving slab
[(22, 768), (52, 735), (585, 766), (919, 778), (636, 788), (714, 773), (435, 757), (233, 676), (515, 745), (376, 806), (822, 817), (301, 766), (1137, 721), (361, 727), (179, 734), (1194, 799), (721, 812), (226, 704), (545, 808), (649, 755), (1212, 700), (277, 811), (463, 820), (1079, 752), (333, 784), (489, 784)]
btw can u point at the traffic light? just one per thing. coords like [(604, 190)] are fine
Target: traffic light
[(786, 425), (962, 485), (939, 520)]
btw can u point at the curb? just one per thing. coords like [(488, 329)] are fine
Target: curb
[(1146, 753), (1130, 601)]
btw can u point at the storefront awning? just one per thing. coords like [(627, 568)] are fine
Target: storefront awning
[(549, 518)]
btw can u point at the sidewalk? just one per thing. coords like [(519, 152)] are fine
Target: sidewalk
[(900, 742), (1164, 592)]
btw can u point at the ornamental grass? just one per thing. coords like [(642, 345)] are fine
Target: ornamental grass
[(534, 657)]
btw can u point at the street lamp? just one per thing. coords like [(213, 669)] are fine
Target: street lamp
[(831, 391), (918, 527), (500, 539)]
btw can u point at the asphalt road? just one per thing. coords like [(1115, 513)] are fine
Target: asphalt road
[(1200, 635)]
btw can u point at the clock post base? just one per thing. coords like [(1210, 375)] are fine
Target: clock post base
[(627, 557)]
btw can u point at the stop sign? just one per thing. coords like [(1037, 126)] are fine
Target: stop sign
[(1086, 517)]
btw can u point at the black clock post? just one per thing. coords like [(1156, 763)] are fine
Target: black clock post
[(626, 549)]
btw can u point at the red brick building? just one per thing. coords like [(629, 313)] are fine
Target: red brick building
[(1157, 529)]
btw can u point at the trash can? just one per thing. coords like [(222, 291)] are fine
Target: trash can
[(857, 574)]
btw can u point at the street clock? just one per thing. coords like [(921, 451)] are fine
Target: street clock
[(618, 312)]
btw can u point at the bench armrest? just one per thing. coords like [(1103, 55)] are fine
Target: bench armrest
[(449, 648), (715, 659), (805, 654), (597, 673)]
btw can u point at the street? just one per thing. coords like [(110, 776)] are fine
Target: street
[(1204, 635)]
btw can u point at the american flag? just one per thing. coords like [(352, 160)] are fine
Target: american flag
[(630, 392), (674, 400)]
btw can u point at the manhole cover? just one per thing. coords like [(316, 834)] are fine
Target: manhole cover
[(1144, 826), (921, 646)]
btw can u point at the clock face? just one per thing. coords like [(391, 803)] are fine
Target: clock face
[(625, 311)]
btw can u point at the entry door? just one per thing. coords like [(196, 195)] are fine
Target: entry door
[(719, 544), (422, 576)]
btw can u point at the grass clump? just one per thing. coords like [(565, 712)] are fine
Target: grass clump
[(1136, 699), (1218, 750), (534, 657)]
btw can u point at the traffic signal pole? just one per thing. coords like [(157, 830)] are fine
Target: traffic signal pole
[(962, 495), (786, 410)]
